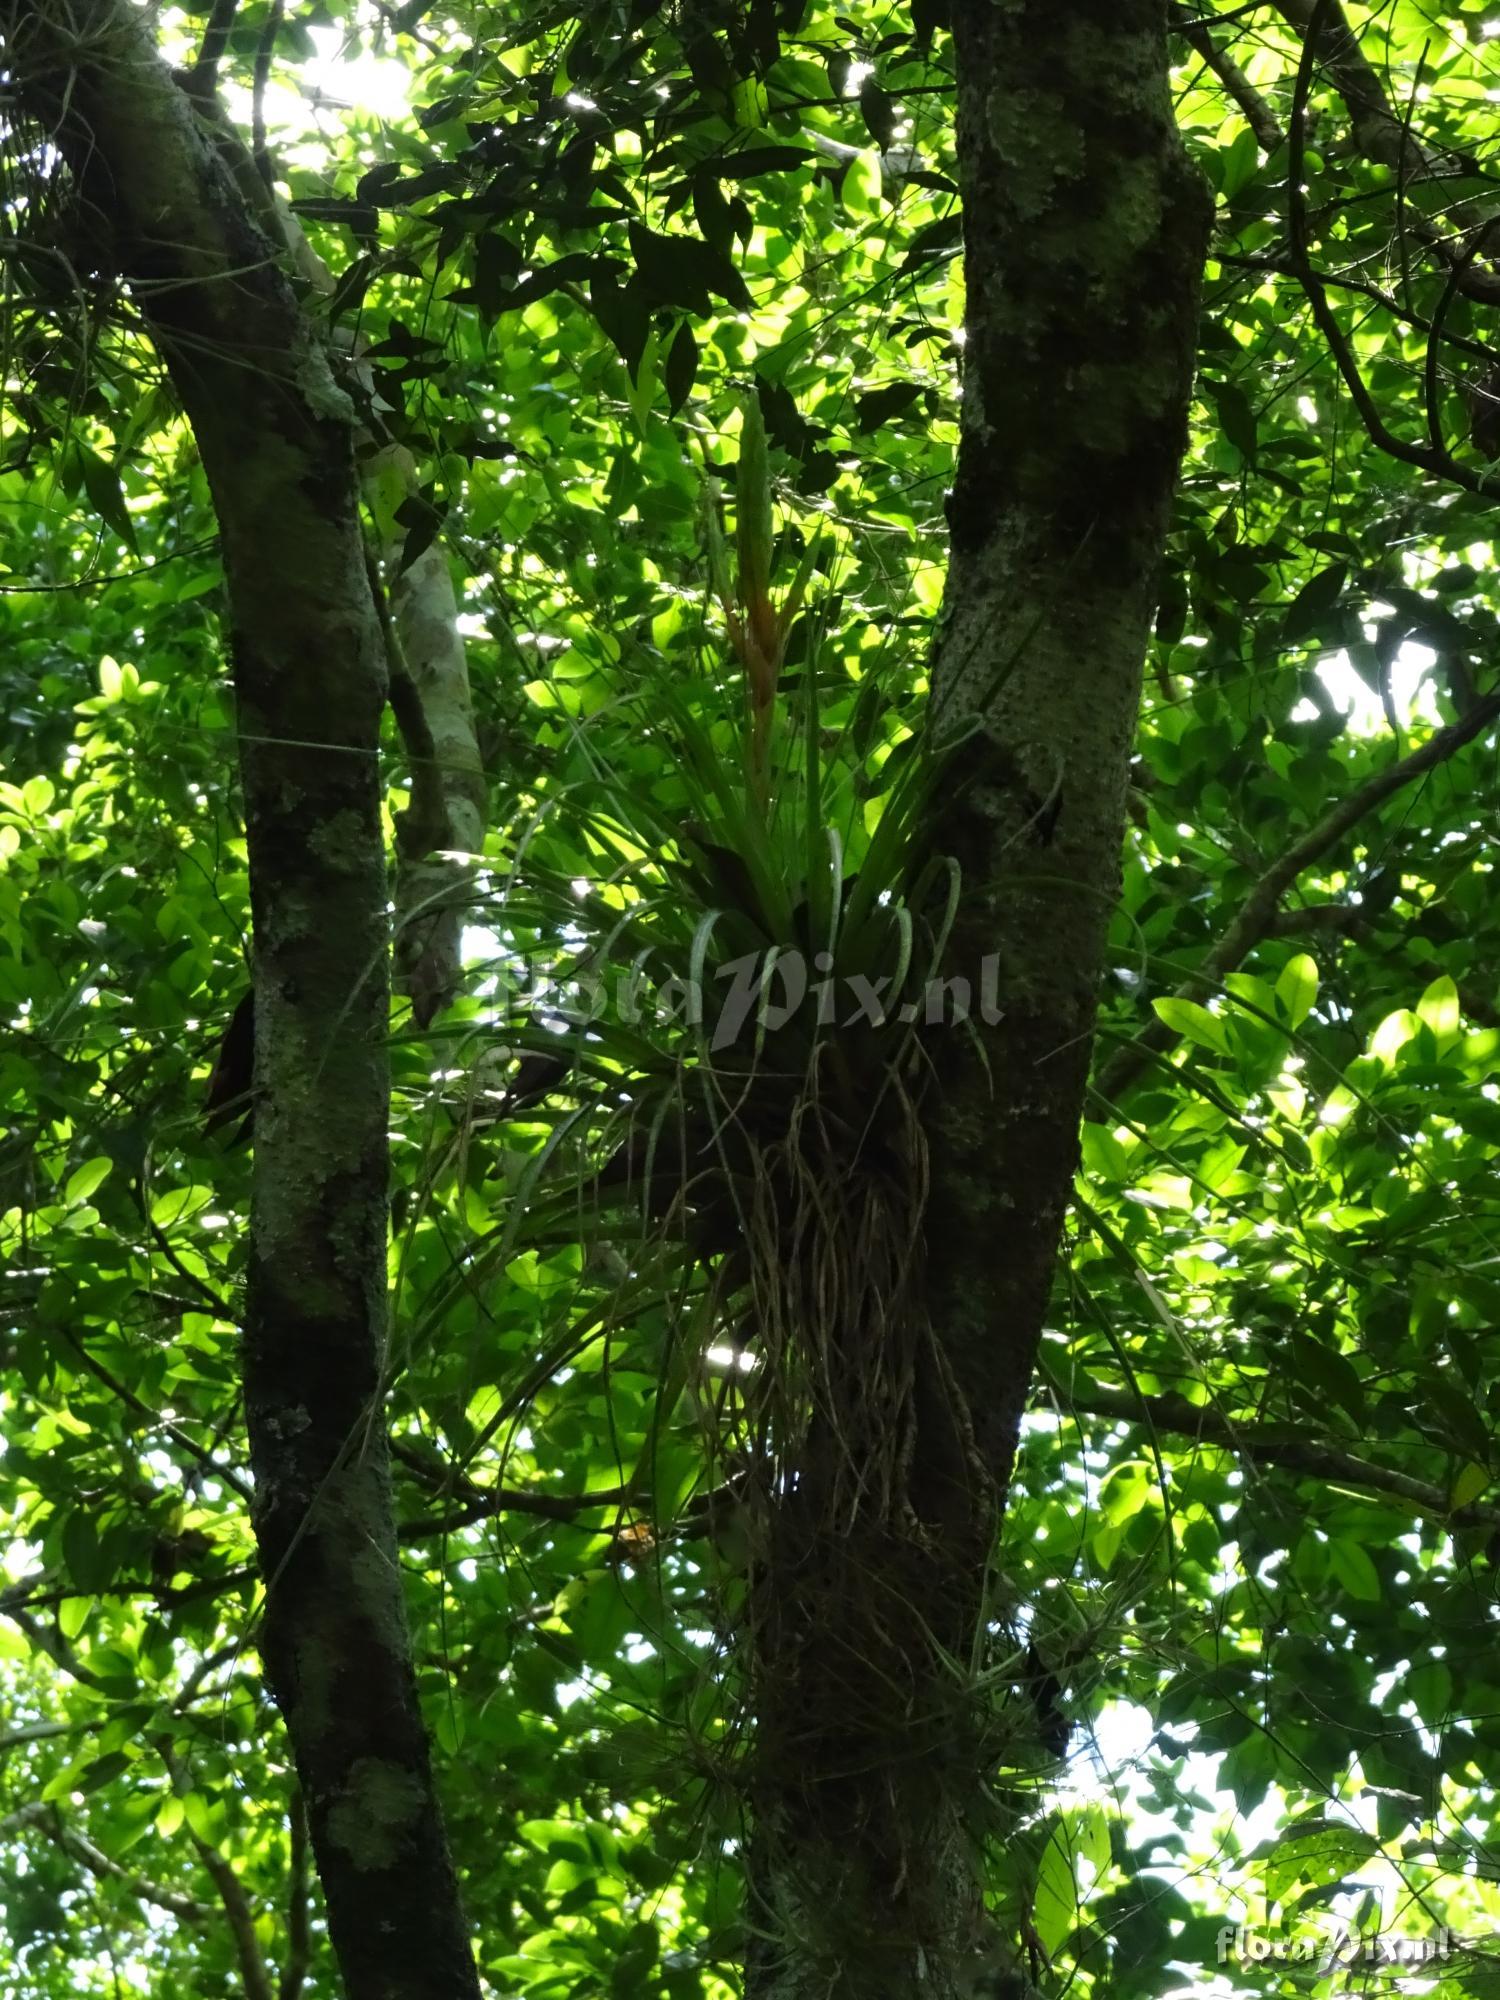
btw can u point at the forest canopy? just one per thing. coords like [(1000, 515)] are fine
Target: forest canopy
[(915, 717)]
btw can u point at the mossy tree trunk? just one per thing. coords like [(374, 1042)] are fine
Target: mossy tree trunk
[(1085, 234), (276, 436)]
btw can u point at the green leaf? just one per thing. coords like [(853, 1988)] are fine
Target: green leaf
[(102, 1771), (1236, 417), (878, 110), (1128, 1488), (80, 1547), (101, 481), (1297, 988), (862, 192), (73, 1615), (87, 1180), (752, 161), (878, 407), (1439, 1009), (1430, 1687), (1354, 1569), (1312, 1855), (1197, 1024), (1054, 1909), (1327, 1373), (751, 103), (1472, 1480)]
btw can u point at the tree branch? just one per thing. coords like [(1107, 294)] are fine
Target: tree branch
[(173, 1430), (482, 1503), (1227, 19), (43, 1732), (1332, 919), (1381, 135), (53, 1644), (1259, 910), (205, 71), (1258, 114), (422, 826), (1378, 132), (45, 1818), (492, 1500), (1436, 461), (299, 1937), (1285, 268), (220, 1305), (254, 1976), (1265, 1444)]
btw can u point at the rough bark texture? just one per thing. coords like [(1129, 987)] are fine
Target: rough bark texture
[(1085, 232), (275, 432)]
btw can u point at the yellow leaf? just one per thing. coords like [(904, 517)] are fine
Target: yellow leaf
[(1438, 1009), (1467, 1487), (862, 187), (751, 103)]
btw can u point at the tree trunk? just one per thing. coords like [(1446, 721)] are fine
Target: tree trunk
[(275, 431), (1085, 233)]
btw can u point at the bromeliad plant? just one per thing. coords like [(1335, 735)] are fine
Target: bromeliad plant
[(757, 626), (758, 936), (733, 1062)]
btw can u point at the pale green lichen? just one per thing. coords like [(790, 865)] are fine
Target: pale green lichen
[(314, 1687), (372, 1822), (341, 841), (1039, 145), (320, 391)]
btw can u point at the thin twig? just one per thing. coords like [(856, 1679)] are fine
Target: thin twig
[(1224, 20), (222, 1309), (485, 1502), (38, 1593)]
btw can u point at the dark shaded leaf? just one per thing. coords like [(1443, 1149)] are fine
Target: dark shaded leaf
[(878, 111), (101, 482), (881, 406), (624, 312), (756, 160), (1313, 602), (683, 271), (681, 367)]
